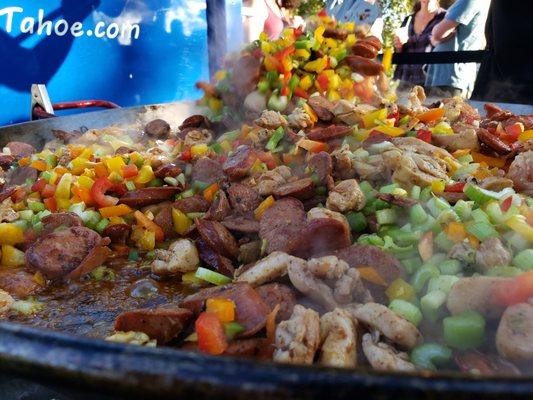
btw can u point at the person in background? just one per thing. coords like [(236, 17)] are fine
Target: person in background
[(416, 31), (461, 29)]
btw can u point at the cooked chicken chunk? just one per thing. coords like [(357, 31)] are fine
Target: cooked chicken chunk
[(496, 183), (298, 338), (492, 253), (394, 327), (270, 119), (299, 119), (181, 257), (463, 252), (475, 293), (198, 136), (7, 214), (339, 339), (329, 281), (321, 212), (342, 163), (416, 97), (514, 338), (374, 167), (383, 357), (268, 181), (5, 301), (464, 139), (420, 147), (521, 172), (346, 196), (269, 268)]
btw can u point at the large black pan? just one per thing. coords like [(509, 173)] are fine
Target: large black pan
[(37, 364)]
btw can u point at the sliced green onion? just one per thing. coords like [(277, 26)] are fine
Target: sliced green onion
[(263, 86), (482, 230), (42, 214), (524, 260), (432, 305), (465, 330), (417, 214), (275, 138), (407, 310), (155, 183), (357, 221), (428, 355), (233, 329), (450, 267), (211, 276), (403, 238), (101, 225)]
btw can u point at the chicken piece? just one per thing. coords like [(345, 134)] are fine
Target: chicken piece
[(374, 167), (299, 119), (180, 257), (346, 196), (476, 293), (464, 139), (463, 252), (496, 183), (269, 268), (5, 301), (457, 109), (492, 253), (349, 113), (416, 97), (270, 119), (269, 181), (198, 136), (420, 147), (383, 357), (343, 167), (321, 212), (338, 336), (297, 339), (394, 327), (7, 214), (328, 281), (521, 173), (514, 338)]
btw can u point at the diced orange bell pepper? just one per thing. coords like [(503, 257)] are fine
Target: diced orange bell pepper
[(51, 204), (100, 170), (84, 194), (456, 232), (129, 171), (490, 161), (11, 234), (211, 336), (39, 165), (431, 115), (115, 211), (265, 204), (224, 309), (271, 323), (24, 161), (210, 192), (312, 146), (371, 275), (147, 223)]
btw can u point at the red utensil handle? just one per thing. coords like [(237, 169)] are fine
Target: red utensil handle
[(40, 113)]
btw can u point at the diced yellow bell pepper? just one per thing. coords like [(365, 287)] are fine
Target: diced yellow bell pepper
[(63, 204), (11, 256), (317, 65), (115, 177), (442, 128), (224, 309), (199, 150), (271, 63), (387, 58), (519, 224), (115, 164), (146, 174), (10, 234), (63, 187), (85, 181), (362, 134), (334, 81), (389, 130), (267, 48), (182, 223), (221, 75), (257, 167), (79, 165), (305, 83), (319, 33), (333, 95), (116, 221), (191, 279), (115, 211), (39, 165), (226, 146), (265, 204), (263, 36), (370, 118), (147, 240), (302, 53), (351, 39), (438, 186), (526, 135), (400, 289), (456, 232)]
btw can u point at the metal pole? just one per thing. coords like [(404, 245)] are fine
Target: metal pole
[(216, 33)]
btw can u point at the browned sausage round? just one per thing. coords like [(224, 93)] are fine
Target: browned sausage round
[(163, 323), (277, 293), (20, 149), (239, 163), (322, 107), (321, 165), (220, 207), (157, 128), (301, 189), (373, 41), (195, 121), (329, 132), (281, 225), (18, 283), (218, 237), (147, 196), (322, 235), (118, 233), (364, 49), (59, 253), (207, 171), (364, 65), (167, 170), (339, 34), (6, 161), (493, 141), (193, 204), (241, 224), (163, 218), (20, 175), (213, 259), (243, 199)]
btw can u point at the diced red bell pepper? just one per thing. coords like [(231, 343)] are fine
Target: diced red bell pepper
[(322, 13), (48, 190), (51, 204), (267, 158), (394, 114), (98, 193), (129, 171), (512, 132), (211, 336), (455, 188), (298, 32), (506, 204), (298, 91), (323, 81), (285, 91), (38, 186), (517, 290), (280, 55), (186, 155), (18, 195), (424, 134)]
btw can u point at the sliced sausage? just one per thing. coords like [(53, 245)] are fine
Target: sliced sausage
[(65, 219), (59, 253), (147, 196), (195, 121), (19, 175), (493, 141), (321, 165), (118, 233), (6, 192), (18, 283), (250, 252), (364, 66), (157, 128), (213, 259), (220, 207), (301, 189), (20, 149), (96, 257), (162, 323), (322, 235), (167, 170), (256, 348), (239, 163), (374, 138), (193, 204), (6, 161), (364, 49), (163, 219), (277, 293), (373, 41), (335, 33), (329, 132), (241, 224), (281, 225), (218, 237), (207, 171), (322, 107), (243, 199), (251, 310)]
